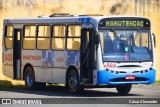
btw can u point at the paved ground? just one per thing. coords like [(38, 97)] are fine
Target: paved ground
[(93, 95), (138, 91)]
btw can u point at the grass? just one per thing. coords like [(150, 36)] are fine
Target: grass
[(158, 82), (4, 84), (54, 85)]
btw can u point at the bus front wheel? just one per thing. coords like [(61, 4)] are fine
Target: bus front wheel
[(30, 80), (73, 83), (124, 89)]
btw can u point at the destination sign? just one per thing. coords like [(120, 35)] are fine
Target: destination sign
[(125, 23), (120, 22)]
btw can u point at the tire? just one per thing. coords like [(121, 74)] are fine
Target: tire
[(124, 89), (30, 80), (73, 83)]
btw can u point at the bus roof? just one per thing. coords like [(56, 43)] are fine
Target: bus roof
[(73, 19)]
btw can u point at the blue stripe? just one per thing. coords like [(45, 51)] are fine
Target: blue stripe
[(85, 20)]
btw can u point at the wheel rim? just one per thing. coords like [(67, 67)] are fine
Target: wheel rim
[(29, 79), (73, 82)]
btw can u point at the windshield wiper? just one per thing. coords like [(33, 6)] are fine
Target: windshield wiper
[(112, 30)]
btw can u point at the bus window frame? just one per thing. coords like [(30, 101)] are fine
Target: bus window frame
[(37, 26), (52, 36), (29, 37), (73, 37), (5, 35)]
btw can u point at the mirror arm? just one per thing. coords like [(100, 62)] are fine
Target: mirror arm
[(154, 39)]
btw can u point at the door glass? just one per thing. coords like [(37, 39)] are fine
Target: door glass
[(18, 36), (85, 42)]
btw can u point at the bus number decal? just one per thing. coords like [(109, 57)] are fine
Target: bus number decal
[(8, 57), (111, 65)]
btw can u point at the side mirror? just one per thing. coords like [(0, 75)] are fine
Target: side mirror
[(96, 38), (154, 39)]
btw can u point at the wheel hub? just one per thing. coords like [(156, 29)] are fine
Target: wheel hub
[(73, 82), (29, 79)]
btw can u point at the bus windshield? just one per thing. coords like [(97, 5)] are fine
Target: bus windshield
[(126, 45)]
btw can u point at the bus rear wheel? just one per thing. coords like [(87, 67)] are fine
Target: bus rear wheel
[(73, 83), (30, 80), (124, 89)]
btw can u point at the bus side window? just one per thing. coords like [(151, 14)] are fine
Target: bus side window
[(58, 37), (73, 40), (8, 36), (29, 40), (43, 40)]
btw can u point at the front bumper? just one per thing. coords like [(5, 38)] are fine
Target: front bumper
[(108, 78)]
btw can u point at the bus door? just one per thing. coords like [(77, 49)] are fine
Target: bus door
[(87, 54), (17, 53)]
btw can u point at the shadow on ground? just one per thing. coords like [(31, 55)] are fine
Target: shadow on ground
[(61, 91)]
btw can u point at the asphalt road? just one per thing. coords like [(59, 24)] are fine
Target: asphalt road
[(92, 95), (137, 91)]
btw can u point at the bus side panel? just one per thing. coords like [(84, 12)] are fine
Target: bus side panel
[(43, 70), (59, 70), (50, 75), (73, 58), (8, 63), (59, 75), (27, 57), (43, 74), (51, 67), (8, 71)]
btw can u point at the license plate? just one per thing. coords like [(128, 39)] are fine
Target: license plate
[(130, 77)]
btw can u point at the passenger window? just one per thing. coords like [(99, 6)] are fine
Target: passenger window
[(73, 40), (43, 31), (74, 31), (73, 43), (8, 36), (58, 43), (59, 31), (43, 40), (30, 31), (58, 37), (29, 40)]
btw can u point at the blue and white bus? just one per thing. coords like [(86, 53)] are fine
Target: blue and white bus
[(79, 51)]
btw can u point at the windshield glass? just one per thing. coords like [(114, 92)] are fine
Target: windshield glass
[(126, 45)]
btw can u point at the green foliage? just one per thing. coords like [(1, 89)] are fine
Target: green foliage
[(4, 84), (158, 82)]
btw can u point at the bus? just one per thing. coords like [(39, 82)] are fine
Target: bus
[(79, 51)]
